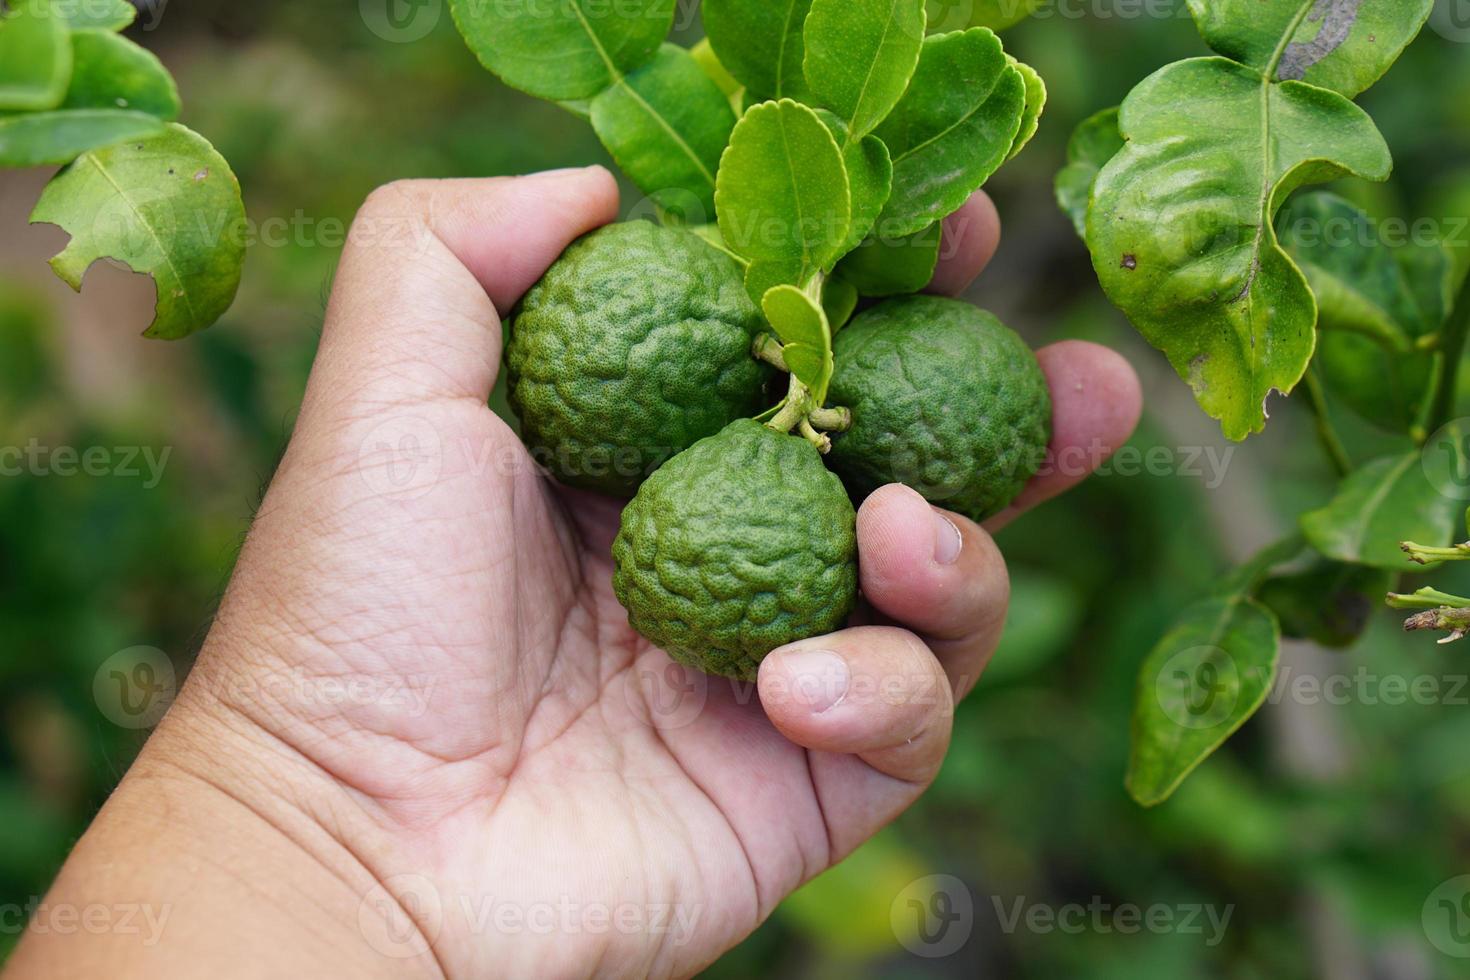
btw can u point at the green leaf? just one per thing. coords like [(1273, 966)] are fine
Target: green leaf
[(1035, 106), (1374, 302), (1328, 603), (167, 206), (839, 302), (102, 15), (1094, 142), (111, 72), (760, 43), (869, 175), (1197, 687), (782, 191), (764, 275), (860, 55), (893, 266), (956, 15), (1245, 578), (1342, 45), (1181, 224), (563, 49), (801, 323), (35, 57), (37, 139), (1410, 497), (953, 127), (704, 55), (666, 125)]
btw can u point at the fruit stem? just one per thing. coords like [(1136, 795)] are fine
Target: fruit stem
[(1425, 555), (767, 348), (818, 439), (793, 409), (832, 419)]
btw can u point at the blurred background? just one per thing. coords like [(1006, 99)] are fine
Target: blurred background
[(1325, 840)]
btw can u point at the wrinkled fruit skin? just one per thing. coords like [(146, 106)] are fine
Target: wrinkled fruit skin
[(632, 347), (740, 544), (944, 398)]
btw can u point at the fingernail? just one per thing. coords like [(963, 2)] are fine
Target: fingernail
[(561, 172), (947, 540), (819, 679)]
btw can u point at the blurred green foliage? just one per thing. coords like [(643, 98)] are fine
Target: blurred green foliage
[(1321, 829)]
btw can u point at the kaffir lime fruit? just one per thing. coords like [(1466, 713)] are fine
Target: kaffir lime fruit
[(632, 347), (944, 398), (739, 544)]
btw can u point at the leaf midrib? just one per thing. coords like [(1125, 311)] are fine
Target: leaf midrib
[(873, 65), (621, 80), (183, 289)]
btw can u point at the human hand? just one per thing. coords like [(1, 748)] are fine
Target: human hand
[(514, 750)]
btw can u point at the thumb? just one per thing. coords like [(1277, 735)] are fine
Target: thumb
[(429, 267)]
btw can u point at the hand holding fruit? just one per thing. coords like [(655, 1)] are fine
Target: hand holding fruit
[(548, 763)]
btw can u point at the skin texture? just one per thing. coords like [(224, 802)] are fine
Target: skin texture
[(743, 543), (944, 398), (633, 346), (550, 762)]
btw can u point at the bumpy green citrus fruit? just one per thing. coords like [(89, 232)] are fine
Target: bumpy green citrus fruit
[(739, 544), (632, 347), (945, 398)]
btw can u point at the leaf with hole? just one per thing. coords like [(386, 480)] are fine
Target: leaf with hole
[(1342, 45), (860, 55), (666, 125), (1198, 685), (167, 206), (782, 190), (954, 126), (1181, 224), (564, 49)]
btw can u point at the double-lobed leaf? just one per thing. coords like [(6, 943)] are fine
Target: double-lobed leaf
[(782, 192), (1035, 105), (1374, 302), (111, 72), (1181, 223), (955, 125), (761, 43), (35, 56), (666, 125), (1415, 496), (1093, 143), (869, 177), (860, 55), (1198, 685), (1342, 45), (167, 206), (563, 49)]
